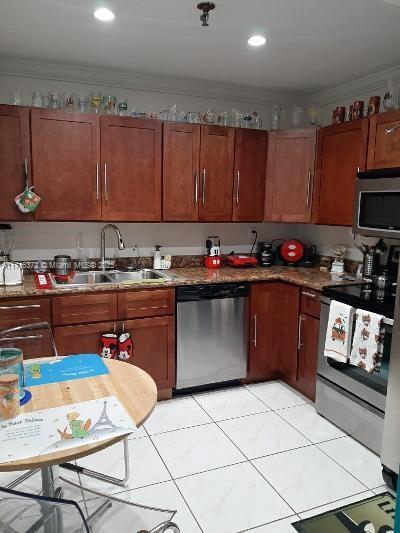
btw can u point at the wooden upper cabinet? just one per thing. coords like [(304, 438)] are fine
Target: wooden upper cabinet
[(249, 175), (65, 164), (384, 141), (131, 169), (181, 160), (341, 151), (290, 171), (217, 148), (15, 157)]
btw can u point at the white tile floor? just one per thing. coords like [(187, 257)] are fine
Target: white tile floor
[(248, 459)]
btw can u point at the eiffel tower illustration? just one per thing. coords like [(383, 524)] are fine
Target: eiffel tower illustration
[(104, 422)]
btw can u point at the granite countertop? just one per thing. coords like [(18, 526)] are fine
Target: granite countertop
[(311, 278)]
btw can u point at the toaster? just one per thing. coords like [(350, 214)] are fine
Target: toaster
[(11, 273)]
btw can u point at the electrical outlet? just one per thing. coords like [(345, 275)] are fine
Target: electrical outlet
[(252, 233)]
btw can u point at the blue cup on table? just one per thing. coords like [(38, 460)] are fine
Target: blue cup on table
[(11, 362)]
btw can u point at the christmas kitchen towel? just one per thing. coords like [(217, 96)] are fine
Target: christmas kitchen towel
[(338, 334), (367, 337)]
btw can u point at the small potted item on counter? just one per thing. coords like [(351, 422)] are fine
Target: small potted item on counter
[(374, 105)]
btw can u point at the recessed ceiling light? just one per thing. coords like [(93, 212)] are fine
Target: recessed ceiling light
[(257, 40), (104, 14)]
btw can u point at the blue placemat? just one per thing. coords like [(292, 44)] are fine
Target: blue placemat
[(64, 369)]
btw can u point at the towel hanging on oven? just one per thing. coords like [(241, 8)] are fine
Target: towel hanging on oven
[(367, 336), (338, 334)]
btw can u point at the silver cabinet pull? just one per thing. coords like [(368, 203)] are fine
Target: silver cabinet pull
[(300, 344), (105, 182), (196, 186), (9, 307), (309, 187), (358, 169), (204, 185), (389, 131), (255, 330), (237, 187), (97, 181), (309, 294)]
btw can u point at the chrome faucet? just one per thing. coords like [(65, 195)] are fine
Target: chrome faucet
[(121, 244)]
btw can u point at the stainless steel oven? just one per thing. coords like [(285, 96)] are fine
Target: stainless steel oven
[(350, 397), (377, 212)]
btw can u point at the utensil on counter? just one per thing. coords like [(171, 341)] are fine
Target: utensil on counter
[(62, 265)]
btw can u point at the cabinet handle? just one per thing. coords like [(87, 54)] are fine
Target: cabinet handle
[(300, 344), (255, 330), (97, 181), (358, 169), (105, 182), (9, 307), (389, 131), (204, 185), (196, 186), (26, 172), (309, 294), (237, 187), (308, 187)]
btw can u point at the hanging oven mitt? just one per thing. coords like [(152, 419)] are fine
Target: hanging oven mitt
[(27, 201), (125, 346), (109, 345)]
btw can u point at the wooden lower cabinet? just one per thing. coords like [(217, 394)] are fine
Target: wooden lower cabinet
[(308, 355), (153, 338), (273, 331)]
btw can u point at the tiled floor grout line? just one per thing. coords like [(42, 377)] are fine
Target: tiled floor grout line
[(176, 485), (295, 516)]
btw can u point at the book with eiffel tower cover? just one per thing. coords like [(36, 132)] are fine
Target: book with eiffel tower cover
[(60, 428)]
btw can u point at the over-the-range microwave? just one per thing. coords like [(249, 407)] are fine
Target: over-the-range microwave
[(377, 203)]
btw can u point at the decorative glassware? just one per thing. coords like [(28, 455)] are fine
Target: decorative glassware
[(209, 117), (247, 119), (172, 113), (83, 104), (37, 99), (297, 116), (183, 116), (258, 123), (390, 100), (275, 117), (236, 118), (9, 396), (313, 115), (164, 112), (194, 117), (109, 103), (54, 100), (222, 119), (122, 108), (95, 102), (11, 363), (16, 99), (70, 102)]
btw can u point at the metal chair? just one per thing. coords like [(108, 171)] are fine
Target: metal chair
[(35, 340)]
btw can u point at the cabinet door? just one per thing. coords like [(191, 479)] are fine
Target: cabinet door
[(131, 169), (249, 175), (154, 348), (273, 330), (342, 150), (384, 140), (216, 167), (72, 340), (80, 308), (290, 171), (181, 154), (15, 159), (308, 355), (65, 164)]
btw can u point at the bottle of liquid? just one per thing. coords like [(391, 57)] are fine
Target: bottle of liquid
[(157, 258)]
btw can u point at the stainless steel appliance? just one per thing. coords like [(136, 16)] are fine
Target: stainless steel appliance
[(348, 396), (390, 456), (211, 334), (377, 212), (62, 265)]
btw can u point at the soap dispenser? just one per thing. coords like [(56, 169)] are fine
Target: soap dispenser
[(157, 258)]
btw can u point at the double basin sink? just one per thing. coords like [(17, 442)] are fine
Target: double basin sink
[(81, 279)]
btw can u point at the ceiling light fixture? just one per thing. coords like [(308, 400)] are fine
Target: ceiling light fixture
[(257, 40), (104, 14), (205, 7)]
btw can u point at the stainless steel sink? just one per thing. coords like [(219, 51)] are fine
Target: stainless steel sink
[(82, 279)]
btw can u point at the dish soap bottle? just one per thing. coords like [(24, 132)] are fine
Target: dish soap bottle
[(157, 258)]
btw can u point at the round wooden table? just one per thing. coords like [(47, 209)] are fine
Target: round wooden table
[(133, 387)]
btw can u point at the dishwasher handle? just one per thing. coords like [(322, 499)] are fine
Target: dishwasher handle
[(212, 292)]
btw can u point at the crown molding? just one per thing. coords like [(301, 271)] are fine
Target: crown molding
[(371, 83), (144, 82)]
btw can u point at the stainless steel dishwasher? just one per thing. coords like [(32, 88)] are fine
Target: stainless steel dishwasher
[(211, 334)]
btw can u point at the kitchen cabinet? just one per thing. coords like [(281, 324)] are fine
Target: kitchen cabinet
[(81, 308), (181, 162), (249, 175), (131, 151), (384, 140), (217, 146), (273, 330), (341, 152), (65, 164), (290, 171), (15, 159), (148, 303)]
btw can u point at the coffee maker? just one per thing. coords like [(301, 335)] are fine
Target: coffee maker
[(213, 257), (6, 242)]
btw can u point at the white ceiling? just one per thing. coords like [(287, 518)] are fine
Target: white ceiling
[(315, 44)]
